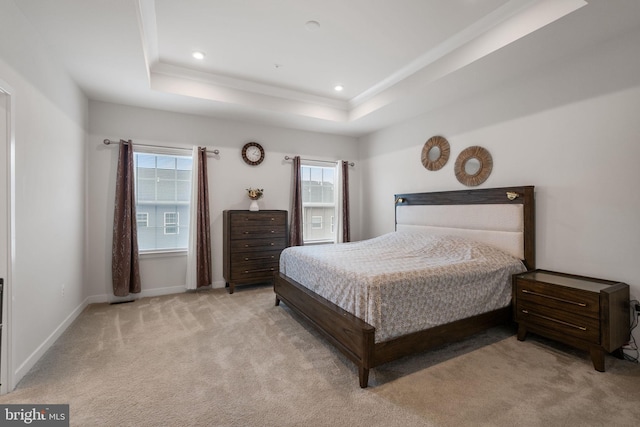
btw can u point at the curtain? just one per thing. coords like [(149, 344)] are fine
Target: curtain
[(295, 232), (125, 269), (344, 229), (199, 255)]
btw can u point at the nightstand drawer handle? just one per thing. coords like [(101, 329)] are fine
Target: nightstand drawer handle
[(581, 304), (582, 328)]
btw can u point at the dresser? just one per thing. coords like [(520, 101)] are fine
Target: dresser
[(252, 242), (587, 313)]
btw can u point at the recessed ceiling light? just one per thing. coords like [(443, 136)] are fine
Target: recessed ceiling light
[(198, 55), (338, 88)]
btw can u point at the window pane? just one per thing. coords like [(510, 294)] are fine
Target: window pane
[(183, 191), (184, 175), (146, 160), (318, 203), (163, 192), (316, 175), (166, 162), (146, 190), (184, 163)]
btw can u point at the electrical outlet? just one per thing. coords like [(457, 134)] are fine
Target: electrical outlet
[(63, 289)]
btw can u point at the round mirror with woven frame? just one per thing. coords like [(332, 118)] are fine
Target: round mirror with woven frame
[(435, 153), (473, 166)]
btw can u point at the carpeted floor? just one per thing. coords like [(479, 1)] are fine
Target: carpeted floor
[(213, 359)]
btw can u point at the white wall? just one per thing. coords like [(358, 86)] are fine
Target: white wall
[(570, 128), (229, 176), (50, 120)]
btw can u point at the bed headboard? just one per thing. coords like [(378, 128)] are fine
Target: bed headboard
[(502, 217)]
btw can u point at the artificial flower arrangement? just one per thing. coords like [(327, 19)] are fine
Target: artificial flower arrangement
[(255, 193)]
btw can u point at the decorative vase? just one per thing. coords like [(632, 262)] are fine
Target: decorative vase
[(254, 206)]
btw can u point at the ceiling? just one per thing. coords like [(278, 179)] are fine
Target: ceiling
[(277, 61)]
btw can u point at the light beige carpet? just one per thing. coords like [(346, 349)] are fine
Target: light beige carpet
[(214, 359)]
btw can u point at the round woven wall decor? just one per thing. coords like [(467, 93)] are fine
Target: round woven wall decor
[(473, 166), (438, 145)]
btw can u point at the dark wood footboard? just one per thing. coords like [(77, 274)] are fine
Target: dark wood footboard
[(354, 337)]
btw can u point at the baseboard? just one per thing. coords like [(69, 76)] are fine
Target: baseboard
[(30, 362)]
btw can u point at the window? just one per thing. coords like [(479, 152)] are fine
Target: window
[(163, 191), (318, 203), (171, 223), (142, 219)]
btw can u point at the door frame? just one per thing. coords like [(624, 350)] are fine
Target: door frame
[(7, 144)]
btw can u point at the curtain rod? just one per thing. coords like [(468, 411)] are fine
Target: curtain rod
[(109, 142), (321, 161)]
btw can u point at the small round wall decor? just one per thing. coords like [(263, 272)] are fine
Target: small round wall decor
[(435, 153), (473, 166)]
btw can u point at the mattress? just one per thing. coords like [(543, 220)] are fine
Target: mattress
[(406, 281)]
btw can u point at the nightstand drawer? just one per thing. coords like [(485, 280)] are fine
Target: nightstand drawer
[(566, 323), (576, 301)]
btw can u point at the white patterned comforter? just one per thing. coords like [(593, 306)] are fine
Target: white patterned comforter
[(403, 281)]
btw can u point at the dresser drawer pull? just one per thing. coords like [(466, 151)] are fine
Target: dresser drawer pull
[(259, 257), (260, 270), (258, 245), (581, 304), (582, 328)]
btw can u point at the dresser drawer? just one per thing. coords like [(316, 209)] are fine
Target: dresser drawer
[(564, 322), (240, 220), (250, 245), (577, 301), (254, 271), (258, 232), (254, 256)]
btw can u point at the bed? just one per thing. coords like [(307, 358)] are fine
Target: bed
[(370, 298)]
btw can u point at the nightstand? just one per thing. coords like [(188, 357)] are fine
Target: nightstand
[(587, 313)]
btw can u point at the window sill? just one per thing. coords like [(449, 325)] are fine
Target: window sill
[(319, 242), (163, 253)]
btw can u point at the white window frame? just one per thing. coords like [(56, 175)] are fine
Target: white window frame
[(334, 204), (164, 151)]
